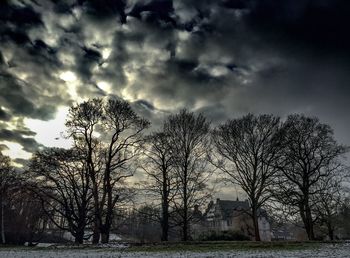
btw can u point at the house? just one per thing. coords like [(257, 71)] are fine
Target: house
[(226, 215)]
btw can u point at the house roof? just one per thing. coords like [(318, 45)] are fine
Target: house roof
[(228, 207)]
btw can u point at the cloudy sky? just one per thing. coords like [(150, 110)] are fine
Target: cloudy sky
[(220, 57)]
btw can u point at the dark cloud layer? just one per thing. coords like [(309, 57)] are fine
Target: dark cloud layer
[(29, 144), (223, 58)]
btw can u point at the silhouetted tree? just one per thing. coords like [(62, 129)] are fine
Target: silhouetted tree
[(110, 135), (6, 181), (189, 140), (21, 213), (60, 179), (146, 219), (328, 201), (159, 164), (250, 148), (310, 154), (344, 221), (26, 219)]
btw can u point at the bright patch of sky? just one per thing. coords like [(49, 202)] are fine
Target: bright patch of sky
[(15, 151), (68, 76), (51, 133)]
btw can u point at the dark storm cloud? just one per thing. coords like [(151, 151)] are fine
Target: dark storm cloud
[(4, 115), (104, 9), (201, 83), (28, 143), (28, 73), (317, 24), (15, 96), (16, 21), (158, 12), (31, 58), (86, 58), (223, 58)]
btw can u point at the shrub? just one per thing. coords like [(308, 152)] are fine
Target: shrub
[(227, 235)]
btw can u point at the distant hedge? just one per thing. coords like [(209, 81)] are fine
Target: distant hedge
[(225, 235)]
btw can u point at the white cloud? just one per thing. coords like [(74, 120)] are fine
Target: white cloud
[(15, 151), (68, 76)]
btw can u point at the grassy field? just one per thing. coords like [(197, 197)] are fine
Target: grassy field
[(185, 250), (223, 246), (191, 246)]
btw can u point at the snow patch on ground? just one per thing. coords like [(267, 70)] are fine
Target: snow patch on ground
[(326, 251), (112, 237), (45, 244)]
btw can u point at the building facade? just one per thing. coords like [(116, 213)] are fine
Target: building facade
[(228, 215)]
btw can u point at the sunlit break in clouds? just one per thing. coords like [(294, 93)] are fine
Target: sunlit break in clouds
[(68, 76), (224, 58)]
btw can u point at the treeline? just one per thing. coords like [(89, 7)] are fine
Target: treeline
[(294, 167)]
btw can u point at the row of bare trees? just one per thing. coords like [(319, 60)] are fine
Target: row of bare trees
[(293, 165), (176, 161), (85, 183), (21, 216), (7, 177)]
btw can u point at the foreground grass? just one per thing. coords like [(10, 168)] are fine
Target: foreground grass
[(223, 246), (207, 246)]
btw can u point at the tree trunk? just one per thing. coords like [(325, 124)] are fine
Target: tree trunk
[(256, 225), (105, 235), (105, 227), (330, 231), (185, 223), (165, 224), (185, 230), (3, 240), (92, 176), (97, 218), (309, 231), (79, 233), (310, 228), (185, 215), (165, 230), (79, 237), (165, 209), (306, 217), (96, 233)]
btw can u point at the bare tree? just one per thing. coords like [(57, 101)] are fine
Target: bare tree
[(82, 122), (21, 213), (344, 215), (329, 200), (26, 218), (189, 140), (142, 223), (159, 165), (249, 148), (6, 179), (310, 154), (110, 134), (60, 179)]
